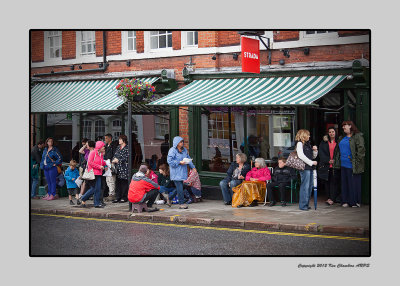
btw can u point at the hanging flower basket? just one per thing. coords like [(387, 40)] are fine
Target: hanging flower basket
[(135, 90)]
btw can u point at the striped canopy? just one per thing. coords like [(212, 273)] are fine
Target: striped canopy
[(77, 96), (301, 90)]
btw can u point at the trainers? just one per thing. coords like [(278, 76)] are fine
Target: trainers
[(283, 204), (345, 205), (184, 206), (152, 209), (358, 205), (271, 204), (78, 202), (71, 202)]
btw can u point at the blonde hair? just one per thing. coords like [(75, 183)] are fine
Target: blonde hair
[(302, 135), (242, 156), (72, 163)]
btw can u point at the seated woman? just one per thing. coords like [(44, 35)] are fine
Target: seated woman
[(235, 175), (249, 192), (166, 185)]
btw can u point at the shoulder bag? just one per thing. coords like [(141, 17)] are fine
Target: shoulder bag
[(59, 170), (293, 161), (89, 175)]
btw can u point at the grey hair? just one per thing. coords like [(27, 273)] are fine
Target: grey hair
[(143, 169), (261, 161), (242, 156)]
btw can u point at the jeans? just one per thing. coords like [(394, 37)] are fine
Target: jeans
[(51, 175), (95, 188), (305, 188), (35, 183), (351, 187), (196, 192), (227, 192), (179, 190), (166, 190)]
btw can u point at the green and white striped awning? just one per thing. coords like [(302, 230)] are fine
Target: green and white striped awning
[(300, 90), (77, 96)]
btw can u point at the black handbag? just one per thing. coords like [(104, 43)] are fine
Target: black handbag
[(114, 169)]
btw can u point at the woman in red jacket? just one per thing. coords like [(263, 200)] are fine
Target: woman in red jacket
[(97, 164)]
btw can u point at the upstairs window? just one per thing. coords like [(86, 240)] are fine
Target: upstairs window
[(88, 43), (160, 39), (192, 38), (161, 126), (131, 37), (54, 44), (318, 34), (99, 128)]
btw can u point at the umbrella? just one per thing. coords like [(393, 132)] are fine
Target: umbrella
[(315, 188)]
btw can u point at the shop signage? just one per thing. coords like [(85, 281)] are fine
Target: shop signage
[(250, 55)]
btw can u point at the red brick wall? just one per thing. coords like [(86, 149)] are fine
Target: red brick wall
[(353, 33), (114, 42), (208, 39), (176, 40), (281, 36), (99, 43), (184, 125), (37, 46), (228, 38), (139, 41), (68, 45)]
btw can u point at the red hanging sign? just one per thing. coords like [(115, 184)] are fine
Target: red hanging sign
[(250, 55)]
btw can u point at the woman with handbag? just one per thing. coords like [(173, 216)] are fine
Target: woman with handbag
[(50, 159), (349, 158), (120, 159), (305, 153), (326, 172), (95, 165)]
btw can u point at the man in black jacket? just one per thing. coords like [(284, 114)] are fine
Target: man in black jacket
[(111, 148), (36, 155), (280, 178)]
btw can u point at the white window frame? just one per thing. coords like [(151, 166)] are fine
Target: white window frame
[(147, 42), (85, 133), (165, 122), (47, 57), (331, 35), (96, 132), (79, 46), (124, 42), (184, 38)]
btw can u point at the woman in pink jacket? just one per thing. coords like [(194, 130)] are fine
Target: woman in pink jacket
[(260, 172), (97, 163)]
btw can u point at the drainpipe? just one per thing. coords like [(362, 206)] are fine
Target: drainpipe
[(103, 68)]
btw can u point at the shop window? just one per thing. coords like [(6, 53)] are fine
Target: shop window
[(54, 44), (99, 128), (160, 39), (161, 123), (87, 129), (87, 43)]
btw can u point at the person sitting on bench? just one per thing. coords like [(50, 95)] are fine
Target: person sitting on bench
[(280, 178), (143, 189)]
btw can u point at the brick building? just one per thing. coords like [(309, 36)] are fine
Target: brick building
[(173, 60)]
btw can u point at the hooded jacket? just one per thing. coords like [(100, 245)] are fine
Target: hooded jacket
[(96, 160), (357, 148), (139, 186), (69, 175), (262, 174), (178, 172)]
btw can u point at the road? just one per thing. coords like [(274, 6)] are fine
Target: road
[(62, 235)]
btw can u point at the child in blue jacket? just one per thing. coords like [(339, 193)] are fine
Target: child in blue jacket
[(71, 174)]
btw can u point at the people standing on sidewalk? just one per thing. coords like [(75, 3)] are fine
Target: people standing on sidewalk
[(281, 177), (71, 174), (306, 153), (50, 159), (178, 170), (142, 189), (85, 151), (111, 148), (235, 176), (166, 185), (350, 159), (96, 163), (120, 159), (328, 175), (36, 157)]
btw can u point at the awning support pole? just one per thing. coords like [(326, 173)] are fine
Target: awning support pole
[(230, 134), (130, 144)]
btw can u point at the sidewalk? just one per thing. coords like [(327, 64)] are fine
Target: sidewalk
[(326, 219)]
